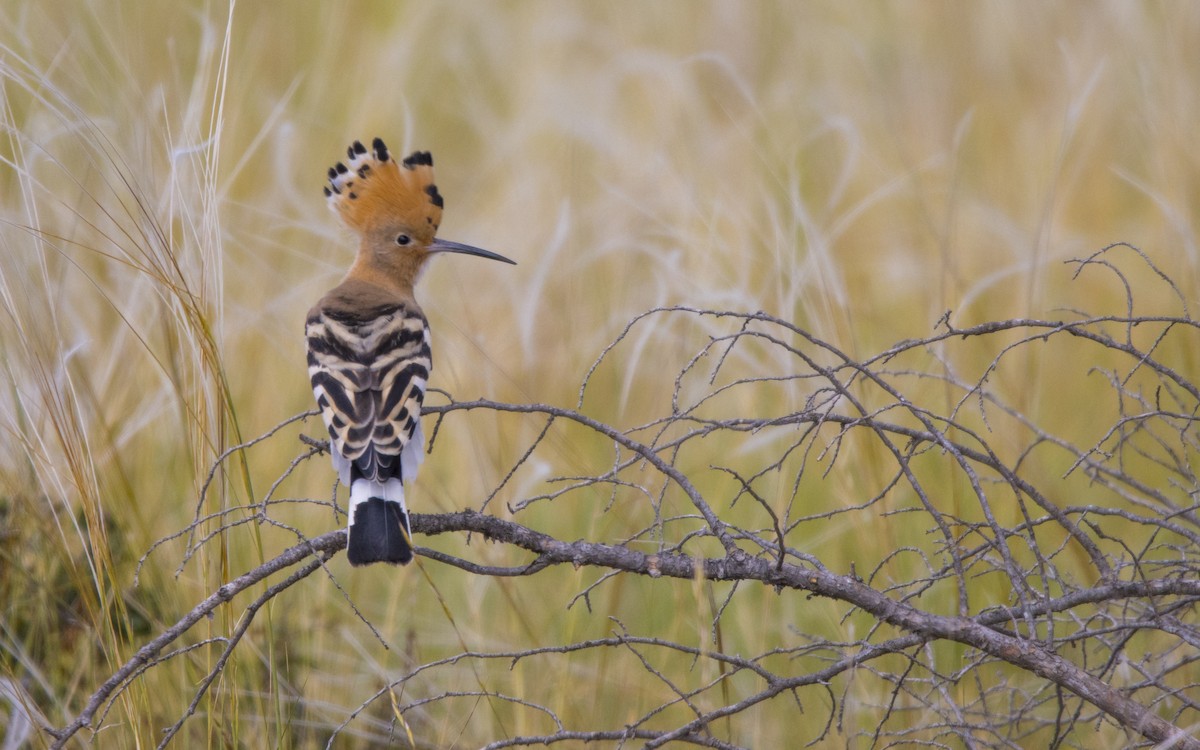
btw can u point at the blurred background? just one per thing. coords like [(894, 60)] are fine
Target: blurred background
[(857, 169)]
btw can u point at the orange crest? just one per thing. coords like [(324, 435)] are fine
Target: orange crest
[(375, 192)]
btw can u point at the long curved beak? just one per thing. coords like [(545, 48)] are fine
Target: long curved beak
[(446, 246)]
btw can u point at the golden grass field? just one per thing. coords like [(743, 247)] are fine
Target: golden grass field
[(857, 169)]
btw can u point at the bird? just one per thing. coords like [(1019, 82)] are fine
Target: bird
[(368, 341)]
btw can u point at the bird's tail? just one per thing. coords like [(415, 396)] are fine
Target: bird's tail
[(379, 527)]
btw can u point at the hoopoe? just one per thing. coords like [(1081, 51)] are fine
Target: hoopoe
[(368, 342)]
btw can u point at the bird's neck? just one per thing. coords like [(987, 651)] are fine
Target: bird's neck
[(389, 270)]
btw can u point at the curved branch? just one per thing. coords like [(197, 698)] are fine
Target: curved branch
[(326, 544), (971, 631)]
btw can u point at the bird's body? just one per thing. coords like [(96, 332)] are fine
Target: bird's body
[(369, 354)]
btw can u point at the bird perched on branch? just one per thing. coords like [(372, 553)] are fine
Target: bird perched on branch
[(368, 341)]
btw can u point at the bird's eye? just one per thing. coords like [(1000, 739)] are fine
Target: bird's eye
[(403, 239)]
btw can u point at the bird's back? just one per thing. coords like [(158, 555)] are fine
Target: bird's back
[(369, 360)]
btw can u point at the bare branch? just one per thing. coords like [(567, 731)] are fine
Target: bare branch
[(1064, 566)]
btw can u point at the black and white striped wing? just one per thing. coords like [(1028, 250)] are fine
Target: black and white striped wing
[(368, 373)]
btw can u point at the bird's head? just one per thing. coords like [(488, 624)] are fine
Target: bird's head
[(395, 208)]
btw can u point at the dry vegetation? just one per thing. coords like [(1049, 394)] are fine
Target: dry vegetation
[(740, 228)]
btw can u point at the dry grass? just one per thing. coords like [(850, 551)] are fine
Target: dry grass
[(856, 169)]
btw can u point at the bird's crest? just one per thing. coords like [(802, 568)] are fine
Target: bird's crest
[(373, 190)]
